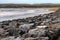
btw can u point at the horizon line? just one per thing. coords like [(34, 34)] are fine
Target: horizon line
[(29, 3)]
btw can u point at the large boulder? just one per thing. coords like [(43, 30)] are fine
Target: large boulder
[(26, 27)]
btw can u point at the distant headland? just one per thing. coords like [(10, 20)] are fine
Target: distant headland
[(28, 5)]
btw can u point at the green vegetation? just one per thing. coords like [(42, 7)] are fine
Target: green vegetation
[(28, 5)]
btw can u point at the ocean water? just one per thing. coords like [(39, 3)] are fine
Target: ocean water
[(19, 13)]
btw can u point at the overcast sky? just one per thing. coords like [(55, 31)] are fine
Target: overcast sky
[(29, 1)]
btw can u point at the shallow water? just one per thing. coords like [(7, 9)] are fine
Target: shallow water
[(16, 13)]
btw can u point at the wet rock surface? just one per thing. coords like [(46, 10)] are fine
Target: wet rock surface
[(41, 27)]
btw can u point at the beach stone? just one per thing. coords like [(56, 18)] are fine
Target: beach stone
[(13, 24), (5, 23), (26, 35), (25, 27), (30, 38), (37, 23), (42, 27), (14, 32), (44, 38), (8, 38), (18, 38), (53, 31), (12, 38), (1, 30), (37, 32), (0, 25), (3, 33), (37, 38), (58, 38)]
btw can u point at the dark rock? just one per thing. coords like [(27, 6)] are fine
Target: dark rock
[(14, 32)]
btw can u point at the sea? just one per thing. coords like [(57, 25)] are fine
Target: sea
[(20, 13)]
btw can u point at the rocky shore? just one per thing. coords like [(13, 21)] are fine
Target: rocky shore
[(41, 27)]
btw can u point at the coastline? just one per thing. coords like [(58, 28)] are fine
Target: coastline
[(19, 13), (32, 28)]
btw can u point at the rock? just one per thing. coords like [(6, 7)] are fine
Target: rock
[(26, 27), (8, 38), (55, 26), (5, 22), (13, 24), (43, 38), (14, 32), (1, 30), (42, 27), (37, 38), (30, 38), (12, 38), (37, 23), (37, 32), (18, 38), (26, 35), (3, 33), (58, 38)]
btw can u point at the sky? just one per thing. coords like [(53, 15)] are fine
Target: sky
[(29, 1)]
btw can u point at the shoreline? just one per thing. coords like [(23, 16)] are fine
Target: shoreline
[(9, 14), (45, 27)]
